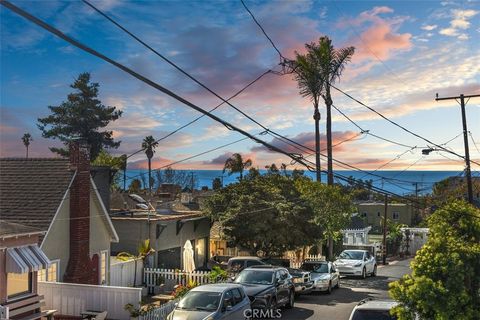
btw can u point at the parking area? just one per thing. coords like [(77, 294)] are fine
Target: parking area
[(339, 304)]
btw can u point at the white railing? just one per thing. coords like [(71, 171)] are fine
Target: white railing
[(71, 299), (154, 277), (4, 313), (122, 273), (159, 313)]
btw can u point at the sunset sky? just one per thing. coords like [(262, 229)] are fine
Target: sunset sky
[(406, 52)]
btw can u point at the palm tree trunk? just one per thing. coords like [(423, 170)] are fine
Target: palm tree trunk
[(241, 174), (150, 175), (329, 142), (27, 153), (316, 117)]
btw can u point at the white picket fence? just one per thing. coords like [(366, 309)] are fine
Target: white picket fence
[(161, 312), (153, 277), (4, 313), (122, 273), (71, 299)]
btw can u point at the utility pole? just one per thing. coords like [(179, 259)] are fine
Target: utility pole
[(384, 256), (468, 173)]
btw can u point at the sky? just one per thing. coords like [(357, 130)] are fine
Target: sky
[(405, 53)]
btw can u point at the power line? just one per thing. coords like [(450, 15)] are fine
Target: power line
[(151, 83), (399, 125), (185, 73), (196, 155), (203, 115), (473, 141), (264, 32)]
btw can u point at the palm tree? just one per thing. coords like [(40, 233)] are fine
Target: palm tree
[(235, 164), (315, 71), (149, 144), (27, 138)]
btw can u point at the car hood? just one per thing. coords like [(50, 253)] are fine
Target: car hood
[(319, 276), (347, 262), (257, 289), (179, 314)]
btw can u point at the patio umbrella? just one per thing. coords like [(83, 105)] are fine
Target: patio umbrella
[(188, 261)]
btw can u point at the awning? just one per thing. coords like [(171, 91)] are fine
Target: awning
[(26, 259)]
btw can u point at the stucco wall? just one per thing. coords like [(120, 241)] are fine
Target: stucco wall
[(130, 233), (99, 235), (56, 244), (372, 210)]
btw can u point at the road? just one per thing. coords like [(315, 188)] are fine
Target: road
[(339, 304)]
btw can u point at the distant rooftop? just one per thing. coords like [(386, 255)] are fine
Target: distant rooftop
[(11, 229)]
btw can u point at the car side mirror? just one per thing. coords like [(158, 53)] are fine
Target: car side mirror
[(365, 259), (227, 305), (280, 282), (229, 308), (175, 304)]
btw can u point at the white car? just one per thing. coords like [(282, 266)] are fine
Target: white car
[(370, 309), (356, 263)]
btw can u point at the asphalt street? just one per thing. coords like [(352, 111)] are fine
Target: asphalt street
[(339, 304)]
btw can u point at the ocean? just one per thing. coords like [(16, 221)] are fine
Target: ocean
[(399, 182)]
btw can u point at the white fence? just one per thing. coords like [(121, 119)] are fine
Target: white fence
[(4, 313), (71, 299), (297, 264), (154, 277), (122, 273), (161, 312)]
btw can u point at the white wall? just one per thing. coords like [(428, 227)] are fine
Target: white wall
[(72, 299), (122, 273)]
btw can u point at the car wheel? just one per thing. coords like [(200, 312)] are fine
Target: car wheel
[(374, 272), (291, 300), (329, 287), (273, 304), (364, 273)]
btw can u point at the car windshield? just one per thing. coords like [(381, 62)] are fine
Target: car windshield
[(315, 267), (351, 255), (362, 314), (200, 300), (255, 277)]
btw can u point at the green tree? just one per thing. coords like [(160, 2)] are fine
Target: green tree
[(115, 163), (332, 208), (217, 183), (235, 164), (26, 139), (135, 186), (263, 213), (149, 144), (445, 279), (81, 116)]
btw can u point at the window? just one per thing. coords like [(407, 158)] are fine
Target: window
[(50, 274), (228, 299), (237, 296), (18, 284), (103, 267), (378, 213), (253, 263), (364, 214), (396, 215)]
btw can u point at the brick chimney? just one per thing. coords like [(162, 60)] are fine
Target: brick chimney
[(80, 268)]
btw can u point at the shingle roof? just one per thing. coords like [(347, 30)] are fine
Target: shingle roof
[(8, 229), (31, 190)]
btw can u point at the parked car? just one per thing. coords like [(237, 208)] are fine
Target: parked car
[(212, 301), (324, 275), (370, 309), (268, 287), (237, 264), (302, 281), (356, 263)]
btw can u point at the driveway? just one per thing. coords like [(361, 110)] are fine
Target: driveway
[(339, 304)]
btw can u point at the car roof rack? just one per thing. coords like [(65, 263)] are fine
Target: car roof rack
[(365, 301)]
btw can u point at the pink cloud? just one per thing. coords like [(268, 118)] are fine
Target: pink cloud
[(380, 39)]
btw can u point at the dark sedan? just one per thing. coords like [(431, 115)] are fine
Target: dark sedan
[(268, 287)]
